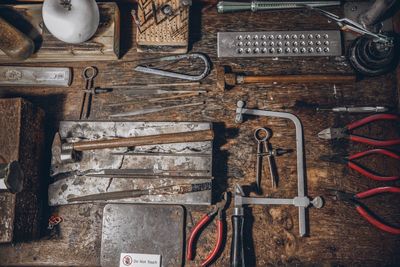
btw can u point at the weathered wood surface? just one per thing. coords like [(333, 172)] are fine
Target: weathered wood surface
[(104, 45), (338, 235), (21, 139)]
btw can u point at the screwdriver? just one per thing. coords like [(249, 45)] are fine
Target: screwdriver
[(377, 109)]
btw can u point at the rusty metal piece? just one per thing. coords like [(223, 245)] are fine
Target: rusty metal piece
[(149, 228), (14, 43)]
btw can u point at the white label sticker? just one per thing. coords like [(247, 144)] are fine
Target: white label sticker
[(139, 260)]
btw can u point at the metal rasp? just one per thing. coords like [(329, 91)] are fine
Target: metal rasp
[(35, 76), (163, 190)]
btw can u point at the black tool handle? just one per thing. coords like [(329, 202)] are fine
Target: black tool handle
[(237, 251)]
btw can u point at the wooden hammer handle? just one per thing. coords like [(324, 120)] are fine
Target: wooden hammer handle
[(197, 136), (300, 78)]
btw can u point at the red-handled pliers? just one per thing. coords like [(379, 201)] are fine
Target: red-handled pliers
[(355, 166), (345, 132), (218, 210), (363, 211)]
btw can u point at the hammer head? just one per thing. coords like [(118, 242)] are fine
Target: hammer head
[(239, 193), (239, 111), (63, 153), (11, 177), (225, 79)]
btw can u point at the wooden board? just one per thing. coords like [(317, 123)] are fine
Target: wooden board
[(157, 32), (21, 135), (338, 235), (104, 45)]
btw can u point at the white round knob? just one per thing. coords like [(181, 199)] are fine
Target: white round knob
[(71, 21)]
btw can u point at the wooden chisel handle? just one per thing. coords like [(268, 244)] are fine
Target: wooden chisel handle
[(14, 43), (197, 136), (299, 78)]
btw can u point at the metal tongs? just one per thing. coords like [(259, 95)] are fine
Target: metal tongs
[(346, 24), (176, 58)]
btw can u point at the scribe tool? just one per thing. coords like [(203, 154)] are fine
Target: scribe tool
[(377, 109), (153, 110)]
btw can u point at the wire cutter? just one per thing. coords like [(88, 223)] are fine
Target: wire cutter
[(364, 211), (345, 132), (218, 211), (353, 165)]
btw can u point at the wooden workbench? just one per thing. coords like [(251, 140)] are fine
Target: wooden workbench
[(338, 235)]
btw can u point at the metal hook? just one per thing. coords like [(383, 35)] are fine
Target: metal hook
[(207, 67)]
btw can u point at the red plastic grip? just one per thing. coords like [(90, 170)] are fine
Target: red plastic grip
[(372, 118), (376, 223), (374, 142), (213, 254), (196, 229), (378, 190), (375, 151), (371, 175)]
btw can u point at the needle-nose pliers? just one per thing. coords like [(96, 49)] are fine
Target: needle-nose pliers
[(363, 211), (218, 211), (349, 160)]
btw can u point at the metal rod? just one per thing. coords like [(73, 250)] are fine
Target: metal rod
[(152, 110), (299, 151), (161, 154)]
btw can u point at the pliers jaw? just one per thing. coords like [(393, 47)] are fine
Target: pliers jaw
[(220, 206), (343, 196), (333, 133)]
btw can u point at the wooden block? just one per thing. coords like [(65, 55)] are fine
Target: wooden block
[(158, 32), (104, 45), (21, 139)]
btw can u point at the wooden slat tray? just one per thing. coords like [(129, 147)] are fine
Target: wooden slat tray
[(105, 44), (157, 32)]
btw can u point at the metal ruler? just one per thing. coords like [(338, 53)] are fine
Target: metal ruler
[(280, 43), (35, 76)]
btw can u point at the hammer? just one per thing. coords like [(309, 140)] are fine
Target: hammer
[(227, 79), (69, 152), (11, 177)]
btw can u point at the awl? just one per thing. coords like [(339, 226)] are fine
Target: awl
[(377, 109)]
